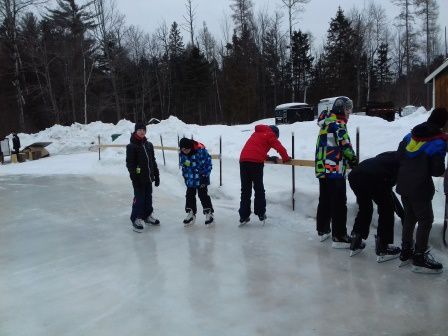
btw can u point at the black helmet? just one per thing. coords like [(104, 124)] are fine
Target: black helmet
[(275, 130)]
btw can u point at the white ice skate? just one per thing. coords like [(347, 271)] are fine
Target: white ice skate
[(190, 219)]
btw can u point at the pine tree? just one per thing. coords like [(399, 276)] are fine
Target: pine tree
[(302, 61)]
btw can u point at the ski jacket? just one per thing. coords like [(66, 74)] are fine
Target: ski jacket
[(422, 155), (334, 152), (140, 160), (381, 170), (258, 145), (196, 166), (15, 142)]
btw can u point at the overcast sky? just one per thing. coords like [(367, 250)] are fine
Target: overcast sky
[(149, 14)]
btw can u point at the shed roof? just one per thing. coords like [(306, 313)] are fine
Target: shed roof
[(437, 71)]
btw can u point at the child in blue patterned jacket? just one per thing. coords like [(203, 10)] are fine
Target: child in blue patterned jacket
[(196, 166)]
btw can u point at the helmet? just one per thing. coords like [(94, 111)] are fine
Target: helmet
[(342, 103), (275, 130)]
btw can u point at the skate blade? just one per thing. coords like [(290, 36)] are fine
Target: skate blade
[(404, 263), (324, 237), (355, 252), (384, 258), (209, 225), (263, 222), (424, 270), (340, 245), (190, 224)]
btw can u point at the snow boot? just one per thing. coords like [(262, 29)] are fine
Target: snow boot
[(152, 220), (407, 252), (356, 245), (385, 252), (323, 235), (138, 225), (425, 263), (190, 219), (343, 242), (209, 219)]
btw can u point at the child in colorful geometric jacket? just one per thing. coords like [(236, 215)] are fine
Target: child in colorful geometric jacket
[(334, 153), (196, 166)]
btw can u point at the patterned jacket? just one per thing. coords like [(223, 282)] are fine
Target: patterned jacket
[(422, 155), (334, 152), (196, 166)]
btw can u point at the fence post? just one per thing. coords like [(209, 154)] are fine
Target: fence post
[(220, 161), (293, 176), (357, 144), (163, 150), (99, 148)]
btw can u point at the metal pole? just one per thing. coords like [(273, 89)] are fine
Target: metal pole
[(99, 148), (163, 150), (220, 161), (293, 176), (357, 144)]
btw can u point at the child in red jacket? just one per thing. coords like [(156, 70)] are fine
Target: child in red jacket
[(252, 159)]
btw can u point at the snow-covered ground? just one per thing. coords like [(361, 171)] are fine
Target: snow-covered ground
[(101, 193)]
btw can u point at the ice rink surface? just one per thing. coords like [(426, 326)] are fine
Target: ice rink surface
[(71, 265)]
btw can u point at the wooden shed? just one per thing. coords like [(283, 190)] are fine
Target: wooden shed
[(439, 79)]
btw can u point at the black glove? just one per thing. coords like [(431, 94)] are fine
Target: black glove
[(272, 159), (204, 181), (156, 180)]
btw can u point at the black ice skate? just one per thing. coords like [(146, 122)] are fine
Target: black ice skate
[(138, 225), (190, 219), (262, 218), (341, 242), (323, 235), (425, 263), (244, 221), (385, 252), (152, 220), (356, 245), (406, 254)]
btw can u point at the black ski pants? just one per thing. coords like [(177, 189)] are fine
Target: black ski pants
[(332, 207), (367, 192), (142, 204), (251, 174), (190, 200), (417, 211)]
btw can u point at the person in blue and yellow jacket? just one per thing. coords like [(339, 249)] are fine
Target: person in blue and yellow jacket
[(334, 153), (196, 166), (422, 156)]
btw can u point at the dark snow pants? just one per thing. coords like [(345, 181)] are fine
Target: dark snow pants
[(251, 174), (366, 193), (190, 202), (417, 211), (332, 207), (142, 204)]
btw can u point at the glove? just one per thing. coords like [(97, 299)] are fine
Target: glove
[(272, 159), (134, 178), (204, 181), (156, 180)]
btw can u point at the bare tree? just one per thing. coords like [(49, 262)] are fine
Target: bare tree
[(293, 7), (108, 33), (189, 20), (10, 14)]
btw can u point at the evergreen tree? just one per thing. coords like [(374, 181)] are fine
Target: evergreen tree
[(302, 62)]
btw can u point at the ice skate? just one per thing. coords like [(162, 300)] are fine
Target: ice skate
[(341, 242), (406, 254), (244, 221), (323, 236), (209, 218), (190, 219), (138, 225), (385, 252), (152, 220), (262, 219), (425, 263), (356, 245)]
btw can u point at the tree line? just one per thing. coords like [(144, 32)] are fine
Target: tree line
[(80, 62)]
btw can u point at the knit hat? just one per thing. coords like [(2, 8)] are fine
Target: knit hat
[(275, 130), (340, 104), (139, 125), (185, 143), (438, 117)]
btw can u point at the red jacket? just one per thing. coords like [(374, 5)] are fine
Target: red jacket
[(261, 141)]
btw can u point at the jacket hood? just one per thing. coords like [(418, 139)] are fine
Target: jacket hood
[(327, 117), (263, 129), (427, 131)]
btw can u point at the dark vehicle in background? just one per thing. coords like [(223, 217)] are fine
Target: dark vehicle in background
[(293, 112), (385, 110)]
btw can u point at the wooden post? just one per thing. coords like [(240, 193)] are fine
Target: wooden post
[(163, 150), (357, 144), (220, 161), (99, 148), (293, 176)]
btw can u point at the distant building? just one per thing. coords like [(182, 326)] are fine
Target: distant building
[(439, 79)]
